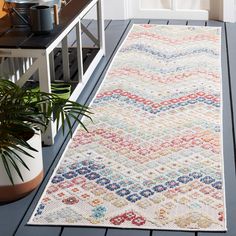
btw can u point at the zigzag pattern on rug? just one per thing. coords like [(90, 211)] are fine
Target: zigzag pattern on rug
[(153, 155)]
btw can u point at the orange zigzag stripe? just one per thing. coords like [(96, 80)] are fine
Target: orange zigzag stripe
[(199, 37), (161, 79), (112, 140)]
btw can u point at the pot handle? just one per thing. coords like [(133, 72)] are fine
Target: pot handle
[(56, 17)]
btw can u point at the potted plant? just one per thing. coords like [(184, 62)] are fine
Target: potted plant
[(24, 114)]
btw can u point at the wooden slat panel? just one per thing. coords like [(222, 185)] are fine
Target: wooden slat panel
[(69, 231), (177, 22), (159, 22), (172, 233), (229, 162), (38, 231), (137, 21), (231, 36), (57, 148), (196, 22), (127, 232)]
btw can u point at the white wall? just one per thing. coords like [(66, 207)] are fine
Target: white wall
[(115, 9), (229, 10), (181, 4)]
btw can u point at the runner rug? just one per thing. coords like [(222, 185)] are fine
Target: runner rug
[(153, 155)]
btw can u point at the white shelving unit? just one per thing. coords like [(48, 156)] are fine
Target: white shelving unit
[(41, 59)]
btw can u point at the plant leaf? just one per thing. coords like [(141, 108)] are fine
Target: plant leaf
[(5, 163), (15, 166)]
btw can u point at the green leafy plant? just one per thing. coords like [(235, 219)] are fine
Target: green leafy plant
[(22, 112)]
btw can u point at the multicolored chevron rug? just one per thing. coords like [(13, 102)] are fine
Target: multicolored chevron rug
[(153, 156)]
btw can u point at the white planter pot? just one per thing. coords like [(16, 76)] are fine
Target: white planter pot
[(32, 178)]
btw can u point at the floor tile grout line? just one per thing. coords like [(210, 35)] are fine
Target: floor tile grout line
[(151, 233), (61, 232), (106, 232)]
